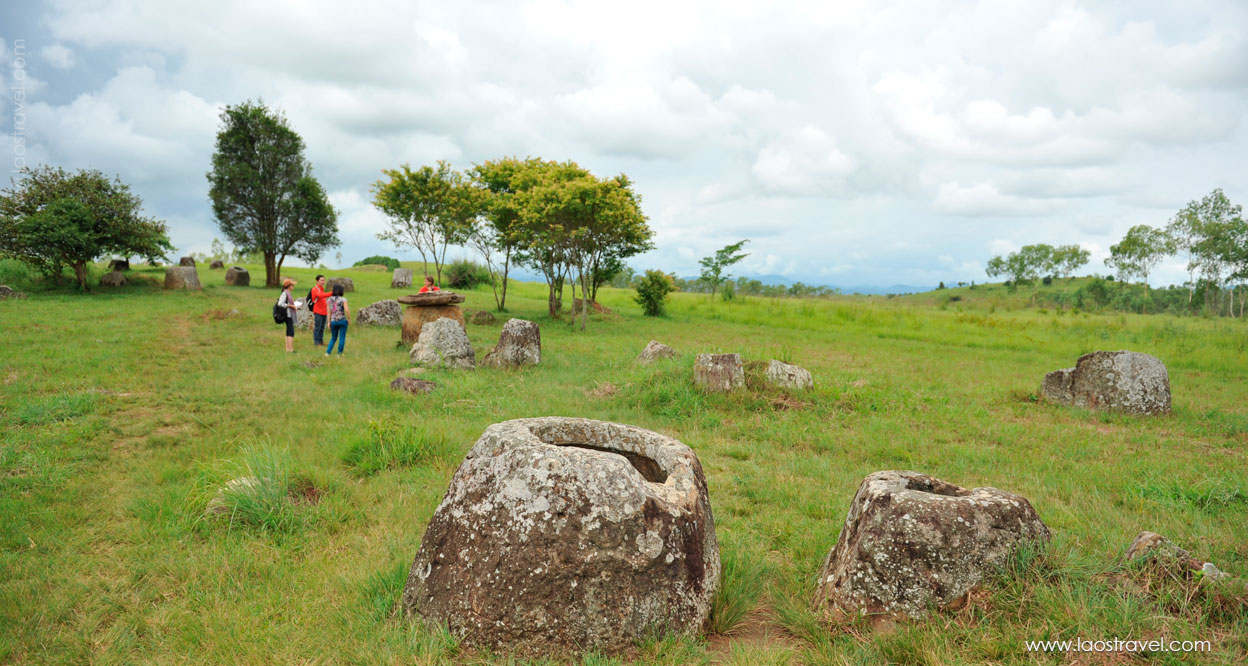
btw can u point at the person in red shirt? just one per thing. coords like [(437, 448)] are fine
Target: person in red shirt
[(429, 285), (319, 311)]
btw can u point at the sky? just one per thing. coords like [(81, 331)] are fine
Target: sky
[(852, 143)]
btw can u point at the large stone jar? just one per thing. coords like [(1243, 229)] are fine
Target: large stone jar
[(421, 309), (563, 535)]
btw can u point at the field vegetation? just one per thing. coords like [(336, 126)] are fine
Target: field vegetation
[(125, 413)]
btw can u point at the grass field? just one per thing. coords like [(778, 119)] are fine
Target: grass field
[(122, 412)]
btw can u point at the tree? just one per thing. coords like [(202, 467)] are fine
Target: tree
[(652, 291), (714, 266), (430, 209), (1139, 252), (262, 190), (498, 229), (1069, 258), (1024, 266), (53, 219)]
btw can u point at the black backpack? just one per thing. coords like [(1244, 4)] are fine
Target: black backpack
[(308, 301), (279, 312)]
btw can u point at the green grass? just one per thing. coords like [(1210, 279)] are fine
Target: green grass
[(124, 412)]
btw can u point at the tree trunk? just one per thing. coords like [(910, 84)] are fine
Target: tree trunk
[(277, 279), (502, 303), (80, 272), (270, 269)]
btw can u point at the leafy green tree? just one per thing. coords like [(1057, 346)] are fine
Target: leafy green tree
[(52, 219), (429, 209), (1069, 258), (1024, 266), (652, 291), (714, 267), (1196, 230), (1139, 252), (262, 190), (498, 235)]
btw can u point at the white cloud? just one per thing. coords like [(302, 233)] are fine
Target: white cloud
[(58, 55)]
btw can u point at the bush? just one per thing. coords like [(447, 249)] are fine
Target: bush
[(652, 291), (18, 274), (388, 262), (390, 446), (464, 274)]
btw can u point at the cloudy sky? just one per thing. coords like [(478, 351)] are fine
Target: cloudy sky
[(853, 143)]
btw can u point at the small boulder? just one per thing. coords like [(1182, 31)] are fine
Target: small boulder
[(718, 373), (788, 376), (120, 265), (237, 276), (216, 265), (483, 318), (187, 261), (181, 277), (1123, 381), (654, 351), (444, 343), (381, 313), (520, 344), (7, 292), (1157, 550), (113, 279), (402, 278), (912, 542), (413, 385), (347, 283), (565, 535), (246, 485)]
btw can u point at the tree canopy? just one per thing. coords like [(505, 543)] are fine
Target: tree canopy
[(263, 193), (1139, 252), (53, 219), (429, 209), (714, 267)]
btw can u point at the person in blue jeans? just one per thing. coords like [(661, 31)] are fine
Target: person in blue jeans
[(338, 315)]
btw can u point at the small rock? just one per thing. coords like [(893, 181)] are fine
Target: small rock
[(654, 351), (187, 261), (414, 386), (788, 376), (402, 278), (912, 542), (8, 293), (444, 343), (718, 373), (216, 265), (246, 485), (181, 277), (1112, 380), (113, 279), (483, 318), (311, 364), (1156, 549), (237, 276), (520, 344), (381, 313)]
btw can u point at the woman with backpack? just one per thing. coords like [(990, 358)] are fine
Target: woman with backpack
[(339, 316), (287, 300)]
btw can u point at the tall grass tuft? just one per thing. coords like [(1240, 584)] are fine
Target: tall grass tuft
[(744, 573), (382, 591), (387, 445), (261, 492), (54, 408)]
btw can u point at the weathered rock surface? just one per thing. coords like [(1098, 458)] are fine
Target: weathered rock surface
[(654, 351), (788, 376), (187, 261), (237, 276), (718, 373), (113, 279), (119, 265), (561, 535), (216, 265), (483, 318), (430, 298), (415, 317), (7, 293), (347, 283), (381, 313), (181, 277), (913, 542), (413, 385), (1112, 380), (402, 278), (444, 343), (519, 344), (245, 485), (1155, 549), (304, 317)]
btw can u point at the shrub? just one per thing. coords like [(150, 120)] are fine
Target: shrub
[(464, 274), (652, 291), (18, 274), (262, 491), (388, 262)]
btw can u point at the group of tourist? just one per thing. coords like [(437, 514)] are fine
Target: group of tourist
[(327, 307)]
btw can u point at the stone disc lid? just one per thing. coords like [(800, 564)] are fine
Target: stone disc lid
[(671, 468), (431, 298)]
